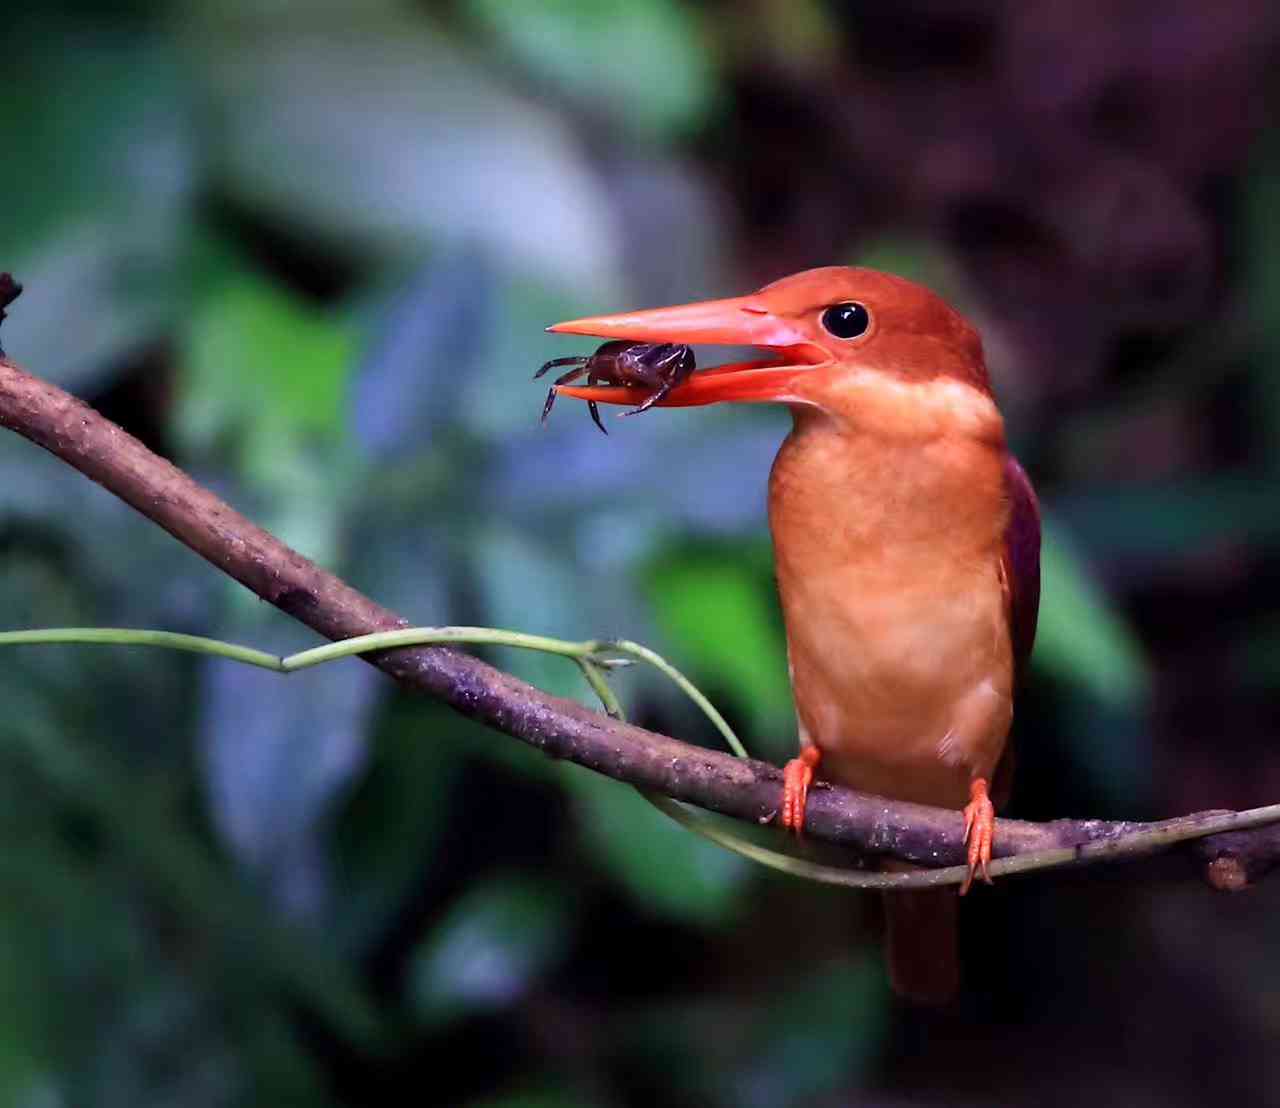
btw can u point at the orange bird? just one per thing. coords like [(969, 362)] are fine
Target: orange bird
[(907, 548)]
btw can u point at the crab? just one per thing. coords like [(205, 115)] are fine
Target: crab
[(658, 366)]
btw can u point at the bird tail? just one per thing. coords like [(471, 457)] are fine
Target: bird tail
[(922, 946)]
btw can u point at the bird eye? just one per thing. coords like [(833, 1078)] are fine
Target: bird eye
[(846, 321)]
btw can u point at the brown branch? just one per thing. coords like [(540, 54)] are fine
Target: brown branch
[(745, 789)]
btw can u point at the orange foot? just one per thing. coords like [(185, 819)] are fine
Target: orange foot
[(979, 828), (796, 779)]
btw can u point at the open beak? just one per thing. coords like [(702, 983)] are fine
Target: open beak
[(740, 321)]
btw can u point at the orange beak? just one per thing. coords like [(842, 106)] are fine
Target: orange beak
[(739, 321)]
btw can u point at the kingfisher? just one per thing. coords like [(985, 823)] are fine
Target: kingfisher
[(906, 543)]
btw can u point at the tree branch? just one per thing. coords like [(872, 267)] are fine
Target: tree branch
[(742, 788)]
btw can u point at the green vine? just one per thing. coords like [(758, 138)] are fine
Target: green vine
[(595, 658)]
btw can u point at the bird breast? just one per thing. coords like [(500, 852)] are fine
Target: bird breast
[(888, 527)]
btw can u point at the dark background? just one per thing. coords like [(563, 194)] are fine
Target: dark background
[(307, 250)]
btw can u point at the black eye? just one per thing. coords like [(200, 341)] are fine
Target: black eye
[(846, 321)]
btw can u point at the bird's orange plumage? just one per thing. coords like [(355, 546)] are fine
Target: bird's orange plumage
[(907, 549)]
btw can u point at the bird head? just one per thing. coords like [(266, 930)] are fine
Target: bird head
[(823, 327)]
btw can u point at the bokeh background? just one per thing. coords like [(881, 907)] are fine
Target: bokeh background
[(307, 250)]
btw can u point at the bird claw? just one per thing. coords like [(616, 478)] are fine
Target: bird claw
[(979, 830), (797, 776)]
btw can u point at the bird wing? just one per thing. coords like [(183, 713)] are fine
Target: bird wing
[(1020, 563)]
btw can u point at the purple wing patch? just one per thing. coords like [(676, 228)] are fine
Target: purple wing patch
[(1022, 563)]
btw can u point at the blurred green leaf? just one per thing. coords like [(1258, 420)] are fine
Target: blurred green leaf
[(180, 873), (378, 135), (109, 899), (284, 1069), (493, 946), (1080, 638), (387, 832), (917, 259), (302, 12), (1154, 523), (31, 1030), (428, 338), (278, 754), (526, 588), (264, 385), (718, 608), (821, 1030), (802, 35), (1108, 749), (263, 367), (644, 61), (666, 870), (96, 222), (817, 1036)]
